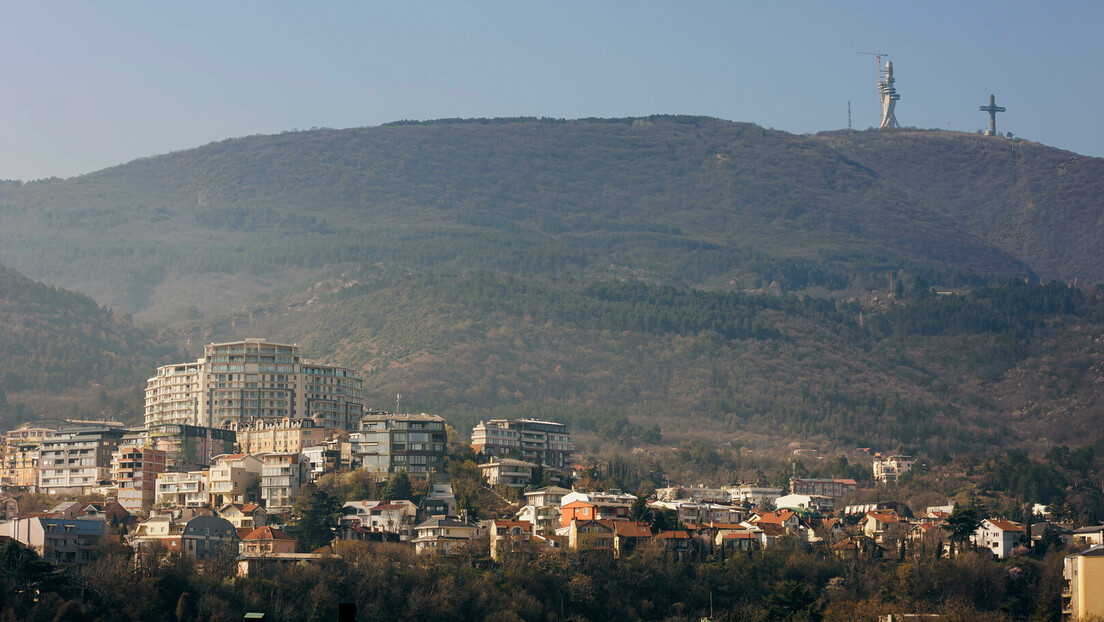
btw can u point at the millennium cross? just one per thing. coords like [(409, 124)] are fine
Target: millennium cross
[(992, 109)]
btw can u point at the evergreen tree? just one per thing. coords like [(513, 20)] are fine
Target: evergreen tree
[(398, 487), (317, 515)]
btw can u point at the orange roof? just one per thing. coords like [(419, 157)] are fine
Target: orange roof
[(673, 535), (1005, 525), (248, 507), (772, 529), (739, 535), (780, 516), (243, 532), (506, 524), (267, 533), (884, 516), (632, 529)]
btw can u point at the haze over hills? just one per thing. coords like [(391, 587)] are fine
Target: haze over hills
[(706, 276)]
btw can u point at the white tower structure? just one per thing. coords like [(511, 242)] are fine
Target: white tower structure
[(889, 98)]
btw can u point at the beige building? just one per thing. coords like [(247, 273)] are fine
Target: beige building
[(182, 490), (19, 466), (252, 380), (284, 435), (76, 460), (1082, 596), (508, 472), (281, 476), (389, 443), (890, 468), (230, 475)]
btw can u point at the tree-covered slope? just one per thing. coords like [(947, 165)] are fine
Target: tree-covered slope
[(59, 349), (678, 200), (1003, 364)]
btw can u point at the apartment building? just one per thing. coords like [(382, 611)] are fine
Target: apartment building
[(284, 435), (547, 441), (59, 540), (230, 475), (76, 460), (1082, 598), (182, 489), (389, 443), (134, 468), (834, 488), (253, 380), (189, 447), (890, 468), (281, 476), (19, 466)]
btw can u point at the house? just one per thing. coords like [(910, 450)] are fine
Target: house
[(999, 536), (628, 535), (787, 519), (855, 547), (162, 529), (875, 523), (65, 541), (1064, 533), (266, 541), (1089, 535), (445, 534), (380, 516), (508, 537), (830, 529), (508, 472), (244, 515), (586, 510), (753, 495), (591, 536), (741, 540), (205, 537), (544, 518), (66, 509), (439, 499), (1083, 572)]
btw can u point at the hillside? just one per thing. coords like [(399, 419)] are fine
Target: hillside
[(687, 201), (714, 279), (1009, 364), (62, 354)]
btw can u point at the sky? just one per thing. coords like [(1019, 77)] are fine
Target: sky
[(85, 86)]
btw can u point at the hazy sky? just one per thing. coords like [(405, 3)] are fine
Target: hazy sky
[(88, 85)]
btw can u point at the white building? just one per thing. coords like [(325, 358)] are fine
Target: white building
[(889, 469), (251, 380), (75, 461), (281, 476), (182, 489), (754, 496), (999, 536)]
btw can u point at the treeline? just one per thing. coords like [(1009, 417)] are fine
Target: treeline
[(388, 581)]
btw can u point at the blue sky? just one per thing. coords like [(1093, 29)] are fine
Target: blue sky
[(86, 85)]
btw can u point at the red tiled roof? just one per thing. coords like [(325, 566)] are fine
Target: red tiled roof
[(267, 533), (672, 535), (506, 524), (779, 517), (772, 529), (884, 516), (248, 507), (632, 529), (1005, 525), (739, 535)]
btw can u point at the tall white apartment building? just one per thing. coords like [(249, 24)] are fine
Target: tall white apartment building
[(253, 380)]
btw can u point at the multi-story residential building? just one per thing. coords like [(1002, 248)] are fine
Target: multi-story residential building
[(890, 468), (546, 441), (19, 467), (230, 475), (542, 509), (182, 489), (281, 476), (445, 534), (134, 470), (999, 536), (508, 472), (323, 459), (834, 488), (754, 496), (59, 540), (244, 515), (284, 435), (189, 447), (206, 537), (76, 460), (1082, 598), (391, 443), (253, 380)]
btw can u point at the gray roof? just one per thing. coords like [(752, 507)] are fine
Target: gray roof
[(210, 526)]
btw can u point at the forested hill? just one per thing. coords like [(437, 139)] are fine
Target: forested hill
[(61, 354), (687, 201)]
